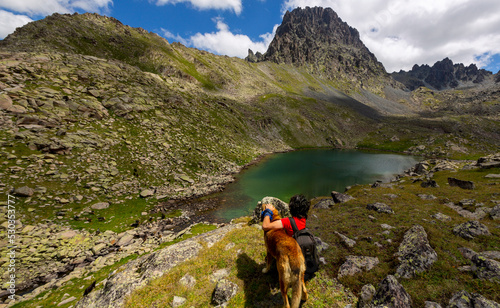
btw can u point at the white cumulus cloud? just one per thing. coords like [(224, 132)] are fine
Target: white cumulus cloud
[(224, 42), (402, 32), (47, 7), (16, 13), (9, 22), (234, 5)]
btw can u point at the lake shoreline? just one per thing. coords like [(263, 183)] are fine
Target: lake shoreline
[(213, 201)]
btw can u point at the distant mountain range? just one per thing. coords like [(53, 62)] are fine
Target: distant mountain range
[(443, 75)]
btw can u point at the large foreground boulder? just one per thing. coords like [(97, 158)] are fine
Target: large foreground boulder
[(281, 206), (483, 265), (357, 264), (495, 213), (366, 296), (23, 191), (463, 299), (415, 253), (391, 294), (471, 229), (340, 197), (380, 208), (224, 291), (460, 183), (486, 268)]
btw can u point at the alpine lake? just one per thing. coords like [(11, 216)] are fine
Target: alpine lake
[(312, 172)]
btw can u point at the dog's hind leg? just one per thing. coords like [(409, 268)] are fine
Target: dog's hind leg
[(297, 292), (304, 290), (284, 276), (284, 291), (269, 261)]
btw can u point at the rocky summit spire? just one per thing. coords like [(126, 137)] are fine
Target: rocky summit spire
[(318, 38)]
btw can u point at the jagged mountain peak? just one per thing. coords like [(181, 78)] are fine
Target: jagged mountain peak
[(318, 38), (442, 75)]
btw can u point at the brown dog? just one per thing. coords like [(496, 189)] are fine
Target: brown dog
[(289, 261)]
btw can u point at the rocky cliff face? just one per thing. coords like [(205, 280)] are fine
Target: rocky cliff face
[(318, 38), (442, 75)]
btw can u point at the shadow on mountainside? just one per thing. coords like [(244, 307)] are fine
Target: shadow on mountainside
[(261, 290), (341, 99)]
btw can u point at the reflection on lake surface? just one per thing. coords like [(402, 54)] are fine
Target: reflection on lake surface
[(310, 172)]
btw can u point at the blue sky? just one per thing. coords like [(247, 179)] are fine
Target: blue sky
[(400, 33)]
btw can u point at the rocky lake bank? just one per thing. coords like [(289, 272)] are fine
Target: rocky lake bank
[(77, 253)]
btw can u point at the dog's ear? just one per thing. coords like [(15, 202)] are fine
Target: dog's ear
[(276, 214)]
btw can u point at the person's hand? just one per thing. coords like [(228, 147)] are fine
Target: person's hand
[(270, 207)]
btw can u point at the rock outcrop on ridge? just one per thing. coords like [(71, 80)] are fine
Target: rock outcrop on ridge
[(442, 75), (317, 38)]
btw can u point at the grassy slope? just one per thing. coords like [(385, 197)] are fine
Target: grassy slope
[(245, 259), (242, 252)]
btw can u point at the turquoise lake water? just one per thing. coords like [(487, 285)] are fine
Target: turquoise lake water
[(313, 173)]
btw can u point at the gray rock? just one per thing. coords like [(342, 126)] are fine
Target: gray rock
[(421, 168), (281, 206), (485, 268), (224, 291), (147, 193), (391, 294), (219, 275), (429, 183), (426, 197), (5, 102), (444, 165), (125, 240), (463, 299), (97, 248), (366, 296), (491, 255), (340, 198), (469, 230), (324, 204), (357, 264), (100, 206), (495, 213), (478, 214), (467, 252), (431, 305), (380, 207), (17, 109), (493, 176), (67, 301), (24, 191), (65, 235), (350, 243), (415, 253), (386, 227), (467, 202), (489, 165), (462, 184), (441, 217), (321, 245), (178, 301), (188, 281)]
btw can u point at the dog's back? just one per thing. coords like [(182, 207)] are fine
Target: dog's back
[(289, 261)]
